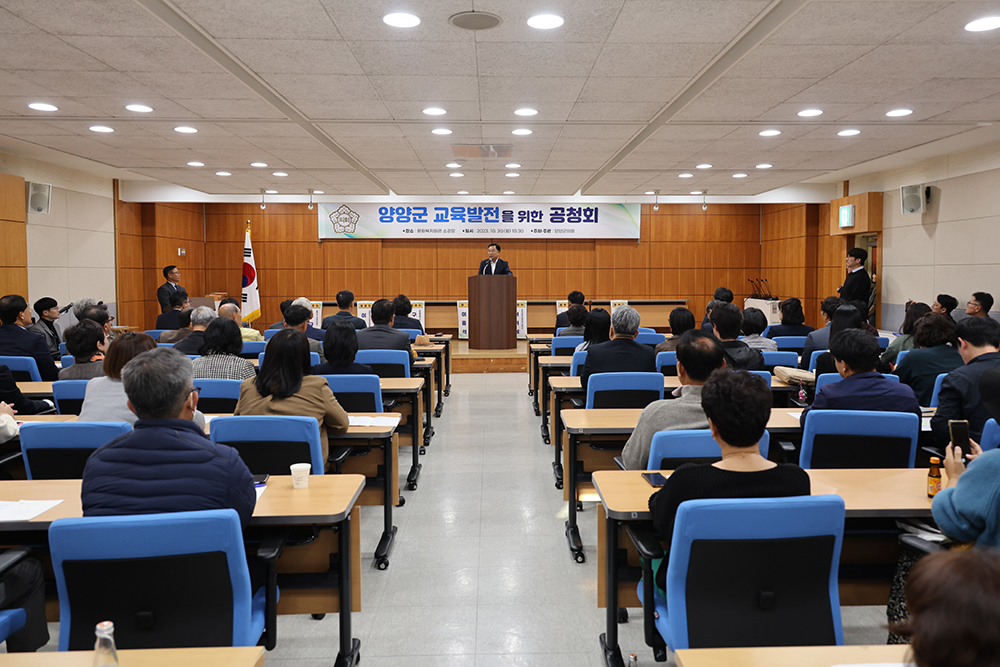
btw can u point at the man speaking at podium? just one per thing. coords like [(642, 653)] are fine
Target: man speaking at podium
[(494, 266)]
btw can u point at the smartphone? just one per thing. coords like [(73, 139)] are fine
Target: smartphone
[(959, 429), (654, 478), (260, 479)]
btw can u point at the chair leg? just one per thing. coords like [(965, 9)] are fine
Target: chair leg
[(652, 635), (271, 608)]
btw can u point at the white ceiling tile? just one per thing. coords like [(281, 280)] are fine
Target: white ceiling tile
[(427, 89), (270, 130), (535, 59), (306, 159), (633, 89), (693, 21), (115, 106), (612, 111), (742, 98), (666, 59), (983, 111), (795, 60), (271, 144), (19, 106), (603, 131), (928, 61), (349, 109), (679, 131), (10, 24), (547, 111), (17, 128), (430, 58), (586, 21), (315, 89), (34, 52), (340, 131), (89, 84), (951, 91), (87, 17), (789, 111), (177, 85), (293, 56), (413, 110), (946, 26), (252, 108), (530, 90), (361, 20), (859, 22), (145, 54), (288, 19)]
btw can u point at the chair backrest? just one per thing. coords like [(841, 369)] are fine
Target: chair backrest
[(155, 333), (386, 363), (766, 375), (646, 330), (669, 449), (991, 435), (767, 329), (412, 333), (190, 567), (11, 620), (666, 363), (784, 591), (812, 359), (313, 359), (192, 357), (899, 357), (826, 378), (252, 348), (579, 359), (937, 389), (563, 346), (63, 350), (164, 345), (59, 450), (270, 332), (559, 330), (883, 342), (356, 393), (218, 396), (623, 390), (650, 338), (269, 444), (24, 369), (859, 439), (68, 395), (780, 358), (67, 360), (791, 343)]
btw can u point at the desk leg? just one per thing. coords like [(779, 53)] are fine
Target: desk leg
[(447, 368), (350, 648), (440, 387), (389, 530), (534, 402), (414, 474), (609, 639), (545, 406), (557, 467), (572, 530), (428, 401)]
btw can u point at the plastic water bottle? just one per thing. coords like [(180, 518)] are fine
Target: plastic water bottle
[(105, 654)]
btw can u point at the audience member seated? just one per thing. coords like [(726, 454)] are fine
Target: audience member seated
[(597, 329), (310, 331), (698, 354), (944, 304), (721, 294), (737, 405), (340, 345), (168, 320), (792, 320), (48, 312), (86, 341), (220, 353), (22, 586), (845, 317), (201, 317), (297, 318), (99, 314), (979, 305), (283, 306), (856, 355), (175, 335), (8, 425), (284, 386), (754, 323), (681, 320), (231, 311), (166, 464), (575, 298), (345, 301), (934, 336), (726, 320), (9, 393), (904, 341), (820, 338), (380, 335), (979, 346), (403, 320), (577, 316), (17, 341), (621, 354)]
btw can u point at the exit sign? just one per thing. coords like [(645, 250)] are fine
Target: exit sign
[(847, 215)]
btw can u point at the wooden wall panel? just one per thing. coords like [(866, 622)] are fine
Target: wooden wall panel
[(14, 247), (12, 204)]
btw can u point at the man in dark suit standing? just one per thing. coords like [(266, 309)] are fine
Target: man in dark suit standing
[(380, 335), (17, 341), (562, 319), (621, 353), (171, 318), (857, 285), (345, 301), (173, 276), (494, 266)]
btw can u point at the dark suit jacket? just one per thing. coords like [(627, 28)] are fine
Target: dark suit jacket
[(407, 322), (353, 368), (789, 330), (191, 343), (618, 355), (960, 398), (562, 321), (9, 393), (384, 337), (314, 333), (503, 269), (342, 315), (168, 320), (16, 341), (163, 293), (817, 340), (857, 287), (280, 324), (865, 391)]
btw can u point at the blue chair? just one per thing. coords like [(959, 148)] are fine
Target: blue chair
[(59, 450), (883, 342), (192, 357), (155, 333), (386, 363), (68, 396), (899, 357), (63, 350), (164, 345), (100, 562), (412, 333), (623, 390), (934, 393), (269, 444), (252, 348), (268, 333), (218, 396), (313, 359), (766, 375), (666, 363), (826, 378), (647, 330), (786, 358), (859, 439), (763, 334), (11, 620), (579, 359), (762, 602), (669, 449), (559, 330), (652, 339), (563, 346), (991, 435), (67, 360), (356, 393), (812, 359), (790, 343), (24, 369)]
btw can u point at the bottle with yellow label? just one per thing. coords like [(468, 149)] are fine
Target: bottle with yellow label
[(934, 477)]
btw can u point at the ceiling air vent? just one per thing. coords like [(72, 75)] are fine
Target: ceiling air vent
[(475, 20)]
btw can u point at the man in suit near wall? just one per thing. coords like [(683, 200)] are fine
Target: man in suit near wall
[(820, 338), (17, 341), (857, 285), (173, 276), (345, 302), (380, 335), (621, 353), (562, 319), (494, 266), (171, 318)]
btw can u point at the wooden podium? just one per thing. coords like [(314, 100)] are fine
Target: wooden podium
[(492, 312)]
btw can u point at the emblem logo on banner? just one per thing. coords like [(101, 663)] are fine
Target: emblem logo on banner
[(345, 221)]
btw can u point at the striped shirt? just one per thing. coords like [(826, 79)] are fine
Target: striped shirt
[(223, 367)]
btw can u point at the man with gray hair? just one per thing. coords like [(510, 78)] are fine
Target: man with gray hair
[(166, 464), (310, 331), (231, 311), (200, 319), (621, 353)]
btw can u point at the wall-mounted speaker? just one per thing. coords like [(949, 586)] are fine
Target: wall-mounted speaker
[(912, 199), (39, 195)]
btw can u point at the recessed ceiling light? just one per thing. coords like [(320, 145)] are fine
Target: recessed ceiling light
[(764, 165), (987, 23), (435, 111), (545, 21), (401, 20), (525, 112), (899, 112), (521, 132), (739, 175), (848, 133), (260, 165), (512, 175), (463, 192), (456, 174), (769, 133), (318, 192), (222, 173), (440, 130), (100, 128), (696, 192), (704, 166), (271, 192), (278, 173), (42, 106), (184, 129), (513, 165), (196, 164), (138, 108), (684, 175), (807, 113), (508, 192), (650, 192), (453, 165)]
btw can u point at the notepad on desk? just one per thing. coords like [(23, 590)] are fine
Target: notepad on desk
[(357, 420), (25, 510)]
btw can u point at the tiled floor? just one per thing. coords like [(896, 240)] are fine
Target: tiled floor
[(480, 573)]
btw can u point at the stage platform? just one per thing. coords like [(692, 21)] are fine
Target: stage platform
[(464, 360)]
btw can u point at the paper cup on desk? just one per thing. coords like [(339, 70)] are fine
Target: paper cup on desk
[(300, 475)]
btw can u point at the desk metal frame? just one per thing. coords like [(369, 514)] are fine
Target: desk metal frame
[(411, 396), (446, 341)]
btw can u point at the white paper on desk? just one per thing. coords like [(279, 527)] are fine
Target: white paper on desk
[(925, 424), (795, 414), (260, 490), (25, 510), (357, 420)]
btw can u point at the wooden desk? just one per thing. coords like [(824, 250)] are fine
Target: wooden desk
[(437, 352), (216, 656), (793, 656), (425, 368)]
